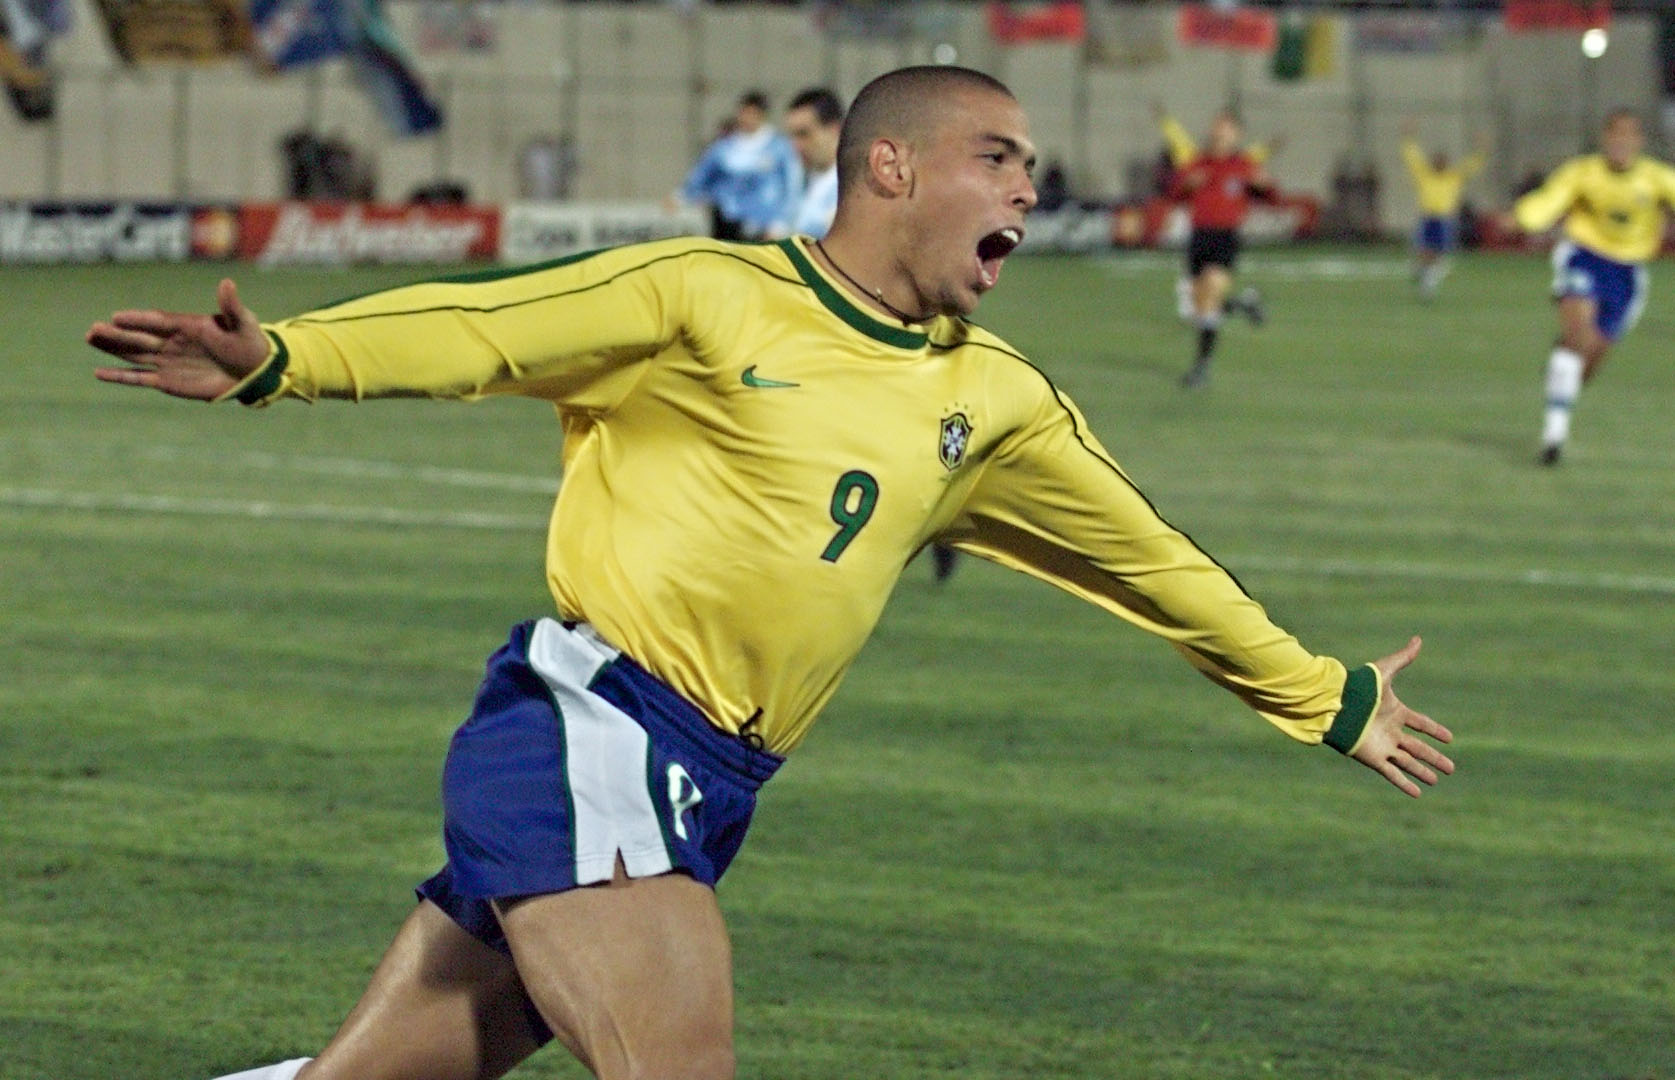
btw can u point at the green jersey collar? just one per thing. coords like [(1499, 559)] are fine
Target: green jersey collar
[(843, 308)]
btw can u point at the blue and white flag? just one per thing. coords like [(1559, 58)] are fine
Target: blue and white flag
[(292, 33)]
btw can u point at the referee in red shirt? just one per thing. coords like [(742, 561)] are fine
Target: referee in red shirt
[(1218, 186)]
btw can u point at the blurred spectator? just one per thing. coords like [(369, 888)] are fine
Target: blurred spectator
[(325, 168), (1052, 187), (440, 193), (750, 176), (547, 168)]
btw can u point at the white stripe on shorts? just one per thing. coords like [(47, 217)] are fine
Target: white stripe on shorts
[(605, 754)]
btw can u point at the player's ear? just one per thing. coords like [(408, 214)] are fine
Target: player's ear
[(889, 168)]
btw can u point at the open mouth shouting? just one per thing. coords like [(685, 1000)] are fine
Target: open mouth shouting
[(992, 251)]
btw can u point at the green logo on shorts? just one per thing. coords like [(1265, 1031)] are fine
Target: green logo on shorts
[(683, 796)]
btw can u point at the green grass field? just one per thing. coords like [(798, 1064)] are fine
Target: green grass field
[(1025, 841)]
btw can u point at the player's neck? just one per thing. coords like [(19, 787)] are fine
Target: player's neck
[(868, 281)]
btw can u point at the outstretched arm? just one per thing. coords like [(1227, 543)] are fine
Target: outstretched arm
[(574, 333), (1544, 206), (1053, 504), (200, 357), (1391, 746)]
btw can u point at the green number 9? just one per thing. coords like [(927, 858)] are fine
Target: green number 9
[(853, 501)]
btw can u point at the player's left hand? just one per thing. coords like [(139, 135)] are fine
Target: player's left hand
[(1391, 745)]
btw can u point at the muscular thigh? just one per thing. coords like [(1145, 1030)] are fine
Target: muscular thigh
[(441, 1006), (636, 974)]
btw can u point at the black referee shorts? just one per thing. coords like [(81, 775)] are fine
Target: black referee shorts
[(1212, 247)]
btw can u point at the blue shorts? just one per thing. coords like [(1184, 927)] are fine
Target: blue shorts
[(1618, 290), (1436, 234), (575, 757)]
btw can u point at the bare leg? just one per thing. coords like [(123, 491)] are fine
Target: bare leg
[(1431, 268), (1209, 295), (441, 1006), (635, 975), (1209, 291), (1578, 332)]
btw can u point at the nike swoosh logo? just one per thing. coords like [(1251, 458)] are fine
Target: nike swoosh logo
[(750, 378)]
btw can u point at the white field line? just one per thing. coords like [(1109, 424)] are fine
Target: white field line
[(360, 469), (1297, 268), (1465, 575), (46, 499)]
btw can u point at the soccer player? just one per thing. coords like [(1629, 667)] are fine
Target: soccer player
[(1218, 185), (757, 439), (749, 176), (1440, 184), (813, 122), (1614, 205)]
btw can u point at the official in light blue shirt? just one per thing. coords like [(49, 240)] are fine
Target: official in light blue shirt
[(813, 122)]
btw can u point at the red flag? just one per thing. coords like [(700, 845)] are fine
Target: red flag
[(1242, 28), (1011, 24), (1521, 15)]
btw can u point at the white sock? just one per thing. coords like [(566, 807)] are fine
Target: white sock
[(285, 1070), (1564, 383)]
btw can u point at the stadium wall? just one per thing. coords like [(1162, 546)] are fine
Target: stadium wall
[(637, 88)]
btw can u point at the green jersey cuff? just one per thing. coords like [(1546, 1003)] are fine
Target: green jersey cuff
[(1361, 692), (265, 381)]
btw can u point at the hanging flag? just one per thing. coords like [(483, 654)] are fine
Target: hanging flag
[(1244, 29), (1320, 51), (1291, 50), (1014, 24), (1525, 15), (291, 33)]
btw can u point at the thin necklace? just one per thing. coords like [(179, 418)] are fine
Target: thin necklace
[(876, 294)]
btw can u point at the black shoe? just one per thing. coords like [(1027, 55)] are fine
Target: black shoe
[(944, 558), (1550, 454), (1196, 377)]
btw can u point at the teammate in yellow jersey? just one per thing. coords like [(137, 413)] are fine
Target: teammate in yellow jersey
[(1440, 184), (757, 440), (1614, 205)]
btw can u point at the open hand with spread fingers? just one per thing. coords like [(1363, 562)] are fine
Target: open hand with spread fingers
[(200, 357), (1391, 745)]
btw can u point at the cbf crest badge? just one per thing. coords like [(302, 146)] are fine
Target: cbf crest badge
[(956, 435)]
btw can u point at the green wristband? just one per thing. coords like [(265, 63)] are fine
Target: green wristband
[(268, 378), (1360, 698)]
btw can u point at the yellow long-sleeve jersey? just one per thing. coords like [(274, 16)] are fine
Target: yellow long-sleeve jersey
[(750, 460), (1439, 190), (1617, 213)]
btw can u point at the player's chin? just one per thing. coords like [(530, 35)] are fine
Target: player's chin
[(963, 300)]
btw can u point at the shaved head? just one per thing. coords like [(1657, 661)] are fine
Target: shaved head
[(902, 104)]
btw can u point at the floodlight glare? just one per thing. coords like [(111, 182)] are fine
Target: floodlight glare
[(1594, 41)]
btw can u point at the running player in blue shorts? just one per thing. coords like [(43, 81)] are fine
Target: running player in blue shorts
[(1614, 205), (757, 438)]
